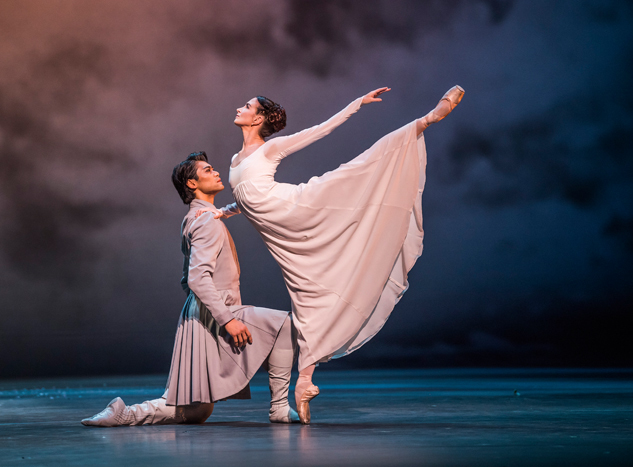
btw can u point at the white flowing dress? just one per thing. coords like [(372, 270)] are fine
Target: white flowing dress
[(346, 240)]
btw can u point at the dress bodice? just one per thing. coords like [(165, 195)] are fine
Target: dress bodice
[(261, 165), (255, 166)]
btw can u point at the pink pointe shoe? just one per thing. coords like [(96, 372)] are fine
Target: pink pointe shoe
[(303, 405), (453, 96)]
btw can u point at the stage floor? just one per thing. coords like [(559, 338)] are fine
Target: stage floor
[(379, 417)]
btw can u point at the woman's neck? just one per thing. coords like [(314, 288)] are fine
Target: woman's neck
[(251, 137)]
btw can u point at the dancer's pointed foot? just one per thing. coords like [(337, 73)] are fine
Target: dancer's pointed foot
[(112, 415), (303, 404), (454, 95), (283, 414), (447, 103)]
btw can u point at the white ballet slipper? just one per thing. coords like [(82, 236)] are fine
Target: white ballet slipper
[(115, 414), (283, 414)]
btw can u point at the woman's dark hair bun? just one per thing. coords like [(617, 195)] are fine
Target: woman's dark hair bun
[(274, 116)]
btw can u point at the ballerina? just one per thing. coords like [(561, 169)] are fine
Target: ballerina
[(346, 240)]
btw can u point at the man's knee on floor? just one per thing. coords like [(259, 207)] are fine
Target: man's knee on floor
[(195, 413)]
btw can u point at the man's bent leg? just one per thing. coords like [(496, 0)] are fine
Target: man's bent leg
[(152, 412), (157, 412)]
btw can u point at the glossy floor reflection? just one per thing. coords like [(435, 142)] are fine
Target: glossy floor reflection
[(403, 417)]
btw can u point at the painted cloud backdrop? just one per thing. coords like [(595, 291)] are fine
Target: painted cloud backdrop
[(528, 206)]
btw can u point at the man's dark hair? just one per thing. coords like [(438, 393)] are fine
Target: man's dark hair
[(185, 171)]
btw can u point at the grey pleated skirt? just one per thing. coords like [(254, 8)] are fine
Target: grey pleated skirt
[(205, 367)]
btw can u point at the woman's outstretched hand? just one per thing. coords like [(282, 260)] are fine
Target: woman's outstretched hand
[(217, 214), (373, 96)]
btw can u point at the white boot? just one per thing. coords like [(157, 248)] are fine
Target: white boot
[(115, 414), (152, 412), (279, 364), (279, 382)]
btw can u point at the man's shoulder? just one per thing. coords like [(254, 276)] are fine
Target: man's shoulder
[(206, 223)]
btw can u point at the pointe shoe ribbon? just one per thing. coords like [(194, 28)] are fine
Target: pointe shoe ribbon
[(303, 408)]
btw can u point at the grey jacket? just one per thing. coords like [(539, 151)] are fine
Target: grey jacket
[(211, 269)]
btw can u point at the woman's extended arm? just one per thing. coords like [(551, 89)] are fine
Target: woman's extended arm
[(280, 147), (223, 213), (230, 210)]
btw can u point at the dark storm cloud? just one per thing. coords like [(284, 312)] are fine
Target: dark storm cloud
[(318, 36), (573, 151), (61, 73), (94, 88), (540, 157), (46, 229), (48, 237), (608, 12), (564, 332), (620, 229)]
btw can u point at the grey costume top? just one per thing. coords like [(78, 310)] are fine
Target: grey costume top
[(211, 269), (205, 367)]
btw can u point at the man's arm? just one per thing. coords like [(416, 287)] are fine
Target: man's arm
[(207, 239)]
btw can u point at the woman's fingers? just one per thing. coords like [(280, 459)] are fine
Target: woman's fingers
[(216, 214), (248, 337), (373, 96), (379, 91)]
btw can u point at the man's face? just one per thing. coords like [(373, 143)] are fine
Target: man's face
[(208, 182)]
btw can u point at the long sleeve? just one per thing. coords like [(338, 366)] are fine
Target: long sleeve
[(283, 146), (207, 238), (230, 210)]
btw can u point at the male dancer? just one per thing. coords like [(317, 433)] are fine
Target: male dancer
[(220, 343)]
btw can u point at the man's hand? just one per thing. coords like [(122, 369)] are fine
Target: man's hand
[(239, 332)]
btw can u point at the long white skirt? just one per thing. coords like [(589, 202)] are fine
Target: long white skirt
[(345, 241)]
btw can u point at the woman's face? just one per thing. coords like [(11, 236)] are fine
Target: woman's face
[(247, 115)]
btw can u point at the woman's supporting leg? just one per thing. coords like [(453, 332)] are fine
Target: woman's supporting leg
[(279, 365), (305, 391), (445, 106)]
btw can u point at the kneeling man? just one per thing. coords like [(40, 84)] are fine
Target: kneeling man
[(220, 343)]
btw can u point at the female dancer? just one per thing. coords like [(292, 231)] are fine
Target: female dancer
[(346, 240)]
